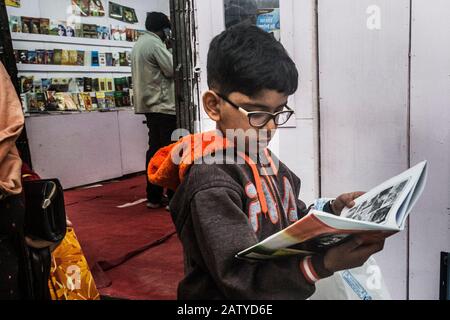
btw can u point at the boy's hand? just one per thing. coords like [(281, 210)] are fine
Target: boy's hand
[(345, 200), (350, 254)]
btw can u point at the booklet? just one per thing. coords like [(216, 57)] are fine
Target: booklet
[(384, 208)]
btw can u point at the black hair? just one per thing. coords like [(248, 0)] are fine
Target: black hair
[(157, 21), (247, 59)]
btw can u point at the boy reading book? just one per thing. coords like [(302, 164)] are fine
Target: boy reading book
[(230, 195)]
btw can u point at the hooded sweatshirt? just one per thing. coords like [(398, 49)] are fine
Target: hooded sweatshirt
[(220, 209), (11, 125)]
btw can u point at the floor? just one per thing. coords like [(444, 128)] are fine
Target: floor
[(133, 251)]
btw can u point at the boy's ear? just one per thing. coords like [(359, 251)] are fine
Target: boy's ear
[(211, 104)]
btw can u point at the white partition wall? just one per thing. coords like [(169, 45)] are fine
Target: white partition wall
[(363, 106), (430, 122)]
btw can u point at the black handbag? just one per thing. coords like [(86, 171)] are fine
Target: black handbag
[(45, 214)]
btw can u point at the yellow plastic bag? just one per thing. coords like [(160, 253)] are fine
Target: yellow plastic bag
[(70, 277)]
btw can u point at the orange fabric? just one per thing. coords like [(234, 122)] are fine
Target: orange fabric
[(164, 172), (11, 125), (70, 277)]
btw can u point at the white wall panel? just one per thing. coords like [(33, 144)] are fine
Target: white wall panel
[(133, 141), (363, 92), (78, 149), (430, 122)]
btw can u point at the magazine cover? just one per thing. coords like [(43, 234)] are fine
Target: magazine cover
[(80, 7), (80, 58), (102, 59), (96, 8), (94, 59), (115, 11), (129, 15), (40, 56), (73, 57), (109, 59), (103, 32), (65, 57), (45, 84), (70, 31)]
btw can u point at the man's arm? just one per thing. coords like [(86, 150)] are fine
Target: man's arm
[(164, 59)]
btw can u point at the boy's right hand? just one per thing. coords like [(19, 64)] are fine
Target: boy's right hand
[(351, 254)]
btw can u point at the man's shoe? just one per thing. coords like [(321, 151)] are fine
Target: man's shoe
[(153, 205)]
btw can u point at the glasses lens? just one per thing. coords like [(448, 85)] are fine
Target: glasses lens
[(259, 119), (282, 118)]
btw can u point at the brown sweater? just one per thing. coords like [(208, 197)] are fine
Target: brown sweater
[(11, 124), (222, 209)]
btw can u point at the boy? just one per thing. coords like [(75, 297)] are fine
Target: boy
[(219, 208)]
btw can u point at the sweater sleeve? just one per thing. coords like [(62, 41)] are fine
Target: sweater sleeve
[(222, 230)]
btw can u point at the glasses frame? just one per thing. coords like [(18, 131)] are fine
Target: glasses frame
[(272, 116)]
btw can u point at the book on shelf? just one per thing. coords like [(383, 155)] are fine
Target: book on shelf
[(80, 58), (26, 84), (122, 59), (53, 29), (102, 84), (95, 84), (90, 31), (37, 85), (23, 56), (45, 84), (109, 59), (94, 59), (78, 27), (116, 59), (32, 57), (93, 100), (26, 22), (110, 100), (15, 23), (376, 215), (45, 25), (35, 25), (73, 57), (41, 101), (65, 57), (87, 102), (72, 85), (123, 33), (87, 84), (80, 84), (103, 33), (115, 32), (109, 84), (57, 56), (70, 30), (102, 59), (101, 100), (49, 57), (87, 58)]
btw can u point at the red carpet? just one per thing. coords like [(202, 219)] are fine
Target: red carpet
[(107, 233)]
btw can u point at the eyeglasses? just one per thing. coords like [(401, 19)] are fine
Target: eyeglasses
[(258, 119)]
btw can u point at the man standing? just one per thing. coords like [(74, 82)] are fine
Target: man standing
[(154, 94)]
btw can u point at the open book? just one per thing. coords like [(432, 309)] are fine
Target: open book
[(384, 208)]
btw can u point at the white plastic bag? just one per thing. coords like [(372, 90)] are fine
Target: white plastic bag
[(363, 283)]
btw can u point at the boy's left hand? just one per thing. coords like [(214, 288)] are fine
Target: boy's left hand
[(345, 200)]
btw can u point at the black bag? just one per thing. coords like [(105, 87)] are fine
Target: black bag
[(45, 213)]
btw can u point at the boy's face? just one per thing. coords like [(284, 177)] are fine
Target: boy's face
[(229, 118)]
